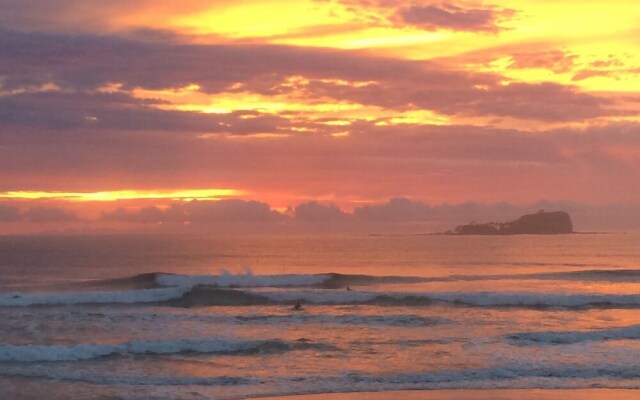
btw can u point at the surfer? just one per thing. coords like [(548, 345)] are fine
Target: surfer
[(297, 306)]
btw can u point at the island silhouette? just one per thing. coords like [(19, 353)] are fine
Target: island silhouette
[(540, 223)]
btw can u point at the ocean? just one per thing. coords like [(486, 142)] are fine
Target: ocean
[(197, 317)]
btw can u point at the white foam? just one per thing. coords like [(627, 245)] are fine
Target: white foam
[(111, 297), (285, 289), (74, 352)]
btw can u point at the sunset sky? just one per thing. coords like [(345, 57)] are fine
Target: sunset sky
[(122, 113)]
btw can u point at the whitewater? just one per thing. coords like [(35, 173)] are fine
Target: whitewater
[(172, 317)]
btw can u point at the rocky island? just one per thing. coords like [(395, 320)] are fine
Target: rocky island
[(540, 223)]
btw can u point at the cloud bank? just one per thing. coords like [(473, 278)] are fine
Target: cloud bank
[(395, 215)]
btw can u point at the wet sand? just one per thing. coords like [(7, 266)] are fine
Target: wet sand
[(515, 394)]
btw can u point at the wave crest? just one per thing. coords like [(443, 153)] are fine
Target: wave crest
[(572, 337), (76, 352)]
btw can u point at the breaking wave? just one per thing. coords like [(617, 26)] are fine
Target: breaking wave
[(248, 280), (329, 289), (505, 372), (211, 296), (140, 281), (325, 281), (77, 352), (100, 297), (571, 337), (524, 375), (502, 376), (134, 380), (347, 319), (594, 275), (203, 295)]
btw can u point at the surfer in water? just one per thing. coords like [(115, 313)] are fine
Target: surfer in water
[(297, 306)]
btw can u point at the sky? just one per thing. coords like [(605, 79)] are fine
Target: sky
[(157, 114)]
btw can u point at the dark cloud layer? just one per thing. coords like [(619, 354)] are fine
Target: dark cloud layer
[(396, 213), (9, 214), (85, 63), (36, 214), (118, 111), (94, 15), (73, 117), (49, 214), (451, 163), (395, 210), (585, 216), (316, 212), (223, 211), (451, 15)]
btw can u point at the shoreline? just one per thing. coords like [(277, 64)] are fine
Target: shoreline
[(471, 394)]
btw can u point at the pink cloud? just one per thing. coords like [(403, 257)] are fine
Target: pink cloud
[(557, 61)]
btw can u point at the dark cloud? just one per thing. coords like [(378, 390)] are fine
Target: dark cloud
[(97, 15), (395, 210), (542, 101), (319, 213), (85, 63), (49, 214), (401, 210), (9, 214), (144, 215), (585, 216), (452, 17), (62, 111), (228, 211), (223, 211), (395, 215), (450, 163)]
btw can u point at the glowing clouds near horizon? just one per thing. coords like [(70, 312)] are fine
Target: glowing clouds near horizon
[(346, 101), (116, 195)]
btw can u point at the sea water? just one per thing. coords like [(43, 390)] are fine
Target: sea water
[(192, 317)]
